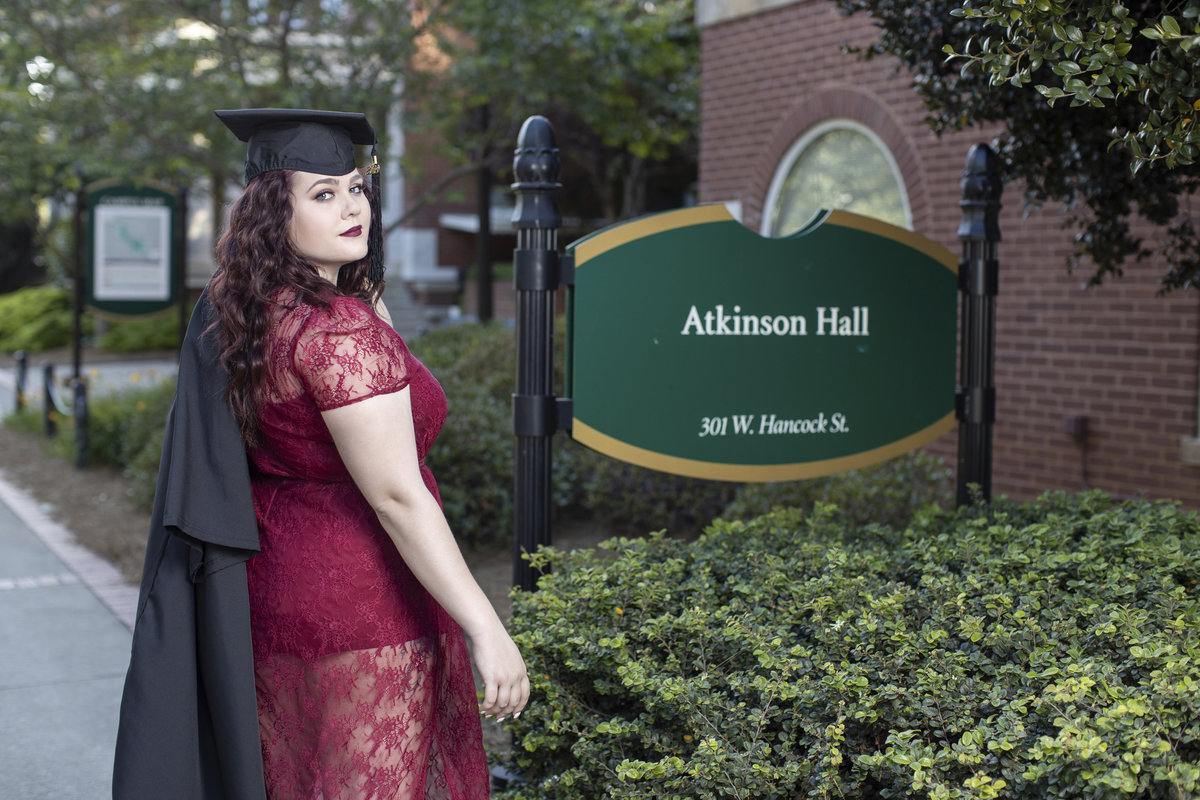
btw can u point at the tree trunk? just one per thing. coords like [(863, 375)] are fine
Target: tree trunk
[(18, 265)]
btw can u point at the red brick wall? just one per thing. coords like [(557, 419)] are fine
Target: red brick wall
[(1119, 354), (455, 249)]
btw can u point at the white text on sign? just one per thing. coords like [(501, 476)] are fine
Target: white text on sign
[(772, 425), (830, 321)]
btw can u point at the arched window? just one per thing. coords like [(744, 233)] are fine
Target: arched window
[(837, 164)]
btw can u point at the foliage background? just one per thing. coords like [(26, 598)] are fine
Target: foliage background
[(1062, 148), (126, 91)]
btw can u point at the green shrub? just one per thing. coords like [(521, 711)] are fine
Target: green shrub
[(125, 430), (1048, 650), (480, 354), (27, 420), (37, 318), (632, 499), (123, 423), (142, 469), (137, 334), (472, 458), (42, 318), (888, 493)]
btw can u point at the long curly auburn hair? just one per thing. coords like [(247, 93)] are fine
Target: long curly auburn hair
[(255, 259)]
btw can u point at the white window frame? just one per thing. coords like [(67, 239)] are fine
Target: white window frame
[(803, 143)]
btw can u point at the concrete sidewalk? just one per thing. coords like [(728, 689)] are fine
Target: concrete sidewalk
[(65, 626), (65, 619)]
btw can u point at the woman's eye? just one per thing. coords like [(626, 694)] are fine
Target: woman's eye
[(323, 195), (356, 188)]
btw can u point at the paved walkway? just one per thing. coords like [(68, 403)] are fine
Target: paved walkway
[(65, 618), (65, 630)]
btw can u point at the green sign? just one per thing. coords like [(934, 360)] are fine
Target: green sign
[(699, 348), (131, 252)]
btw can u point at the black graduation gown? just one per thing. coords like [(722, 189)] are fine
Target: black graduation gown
[(189, 720)]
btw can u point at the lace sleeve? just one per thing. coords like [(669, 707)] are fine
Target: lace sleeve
[(346, 354)]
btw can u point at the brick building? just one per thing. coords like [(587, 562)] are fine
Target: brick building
[(781, 102)]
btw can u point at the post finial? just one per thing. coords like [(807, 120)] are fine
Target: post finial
[(536, 158), (535, 167), (981, 189)]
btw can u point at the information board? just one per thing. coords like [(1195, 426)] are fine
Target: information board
[(131, 249), (700, 348)]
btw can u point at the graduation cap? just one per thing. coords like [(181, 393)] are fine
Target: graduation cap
[(310, 141), (302, 139)]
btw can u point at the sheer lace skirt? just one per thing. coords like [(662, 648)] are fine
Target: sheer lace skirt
[(352, 726)]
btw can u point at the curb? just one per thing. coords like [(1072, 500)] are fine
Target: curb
[(95, 573)]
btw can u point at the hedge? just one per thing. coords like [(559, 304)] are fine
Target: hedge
[(138, 334), (888, 493), (34, 319), (1047, 650), (42, 318), (472, 457), (125, 430)]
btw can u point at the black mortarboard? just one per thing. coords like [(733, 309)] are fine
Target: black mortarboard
[(296, 138), (310, 141)]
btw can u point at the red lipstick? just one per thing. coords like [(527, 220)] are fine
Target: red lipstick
[(355, 231)]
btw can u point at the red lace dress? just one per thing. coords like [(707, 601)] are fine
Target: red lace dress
[(364, 682)]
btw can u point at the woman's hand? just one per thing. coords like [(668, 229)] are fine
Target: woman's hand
[(500, 666)]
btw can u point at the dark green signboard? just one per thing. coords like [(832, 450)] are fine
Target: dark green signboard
[(131, 250), (699, 348)]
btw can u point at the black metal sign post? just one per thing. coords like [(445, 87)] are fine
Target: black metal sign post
[(181, 242), (536, 270), (80, 276), (79, 399), (22, 378), (978, 283), (483, 209)]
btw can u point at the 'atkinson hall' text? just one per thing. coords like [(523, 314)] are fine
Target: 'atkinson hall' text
[(830, 321)]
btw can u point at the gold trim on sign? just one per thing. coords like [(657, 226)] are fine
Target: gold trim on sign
[(617, 235), (109, 183), (602, 442), (614, 236), (904, 236)]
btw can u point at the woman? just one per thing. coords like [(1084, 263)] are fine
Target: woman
[(359, 598)]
